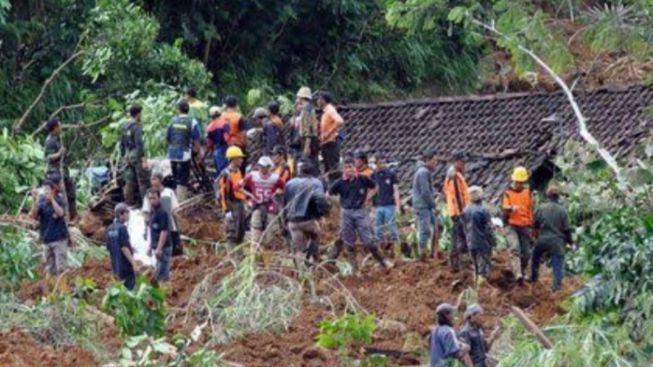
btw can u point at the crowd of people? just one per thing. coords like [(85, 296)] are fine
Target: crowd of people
[(289, 189)]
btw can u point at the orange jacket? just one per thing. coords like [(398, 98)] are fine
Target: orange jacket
[(236, 126), (519, 207), (229, 187), (284, 171), (457, 194)]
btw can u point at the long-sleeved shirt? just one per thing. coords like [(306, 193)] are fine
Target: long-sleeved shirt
[(131, 140), (272, 135), (552, 224), (456, 192), (308, 124), (423, 192), (478, 223), (297, 197)]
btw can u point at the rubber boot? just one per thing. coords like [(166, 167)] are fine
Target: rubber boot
[(336, 250), (351, 256), (380, 259)]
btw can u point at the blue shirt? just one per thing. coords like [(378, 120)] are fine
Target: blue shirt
[(158, 223), (52, 227), (443, 346), (385, 179), (117, 238)]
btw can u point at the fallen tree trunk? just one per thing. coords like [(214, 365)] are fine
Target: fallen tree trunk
[(532, 328)]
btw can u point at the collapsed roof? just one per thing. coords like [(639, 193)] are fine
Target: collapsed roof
[(498, 132)]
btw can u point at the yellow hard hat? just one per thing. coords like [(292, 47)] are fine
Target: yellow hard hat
[(520, 174), (234, 152)]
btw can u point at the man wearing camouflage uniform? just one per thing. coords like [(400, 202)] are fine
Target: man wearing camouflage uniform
[(132, 152)]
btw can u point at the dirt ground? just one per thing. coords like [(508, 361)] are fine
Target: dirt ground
[(403, 299)]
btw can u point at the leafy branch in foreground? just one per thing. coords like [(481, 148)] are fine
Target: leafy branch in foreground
[(137, 312)]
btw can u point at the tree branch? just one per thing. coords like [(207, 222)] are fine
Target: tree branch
[(58, 111), (48, 81), (580, 118)]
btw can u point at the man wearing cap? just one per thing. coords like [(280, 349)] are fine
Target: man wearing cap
[(457, 195), (272, 128), (263, 185), (132, 150), (473, 335), (217, 142), (119, 247), (553, 232), (49, 210), (56, 170), (237, 128), (386, 202), (330, 124), (423, 197), (231, 197), (517, 205), (444, 346), (355, 191), (480, 235), (308, 128), (300, 196), (281, 167), (183, 137)]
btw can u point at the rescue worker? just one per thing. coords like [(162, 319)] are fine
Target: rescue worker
[(132, 151), (480, 235), (160, 244), (56, 169), (281, 167), (272, 129), (330, 125), (198, 109), (361, 163), (300, 196), (295, 142), (553, 232), (263, 185), (355, 191), (423, 196), (387, 203), (183, 138), (308, 128), (170, 205), (217, 141), (457, 196), (119, 246), (444, 345), (231, 196), (237, 128), (49, 210), (517, 205), (473, 335)]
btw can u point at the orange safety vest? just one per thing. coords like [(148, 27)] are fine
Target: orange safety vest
[(229, 187), (235, 133), (367, 172), (457, 194), (522, 203)]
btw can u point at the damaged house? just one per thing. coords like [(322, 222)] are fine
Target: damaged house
[(498, 132)]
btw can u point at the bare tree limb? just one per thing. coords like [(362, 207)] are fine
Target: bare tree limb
[(19, 124), (58, 111), (580, 118)]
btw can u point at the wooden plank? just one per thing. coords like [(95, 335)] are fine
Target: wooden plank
[(532, 328)]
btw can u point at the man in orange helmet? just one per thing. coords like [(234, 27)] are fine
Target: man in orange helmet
[(517, 205)]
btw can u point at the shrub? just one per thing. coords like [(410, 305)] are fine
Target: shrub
[(349, 330), (137, 312)]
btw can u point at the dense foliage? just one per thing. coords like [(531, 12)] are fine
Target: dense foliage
[(139, 312), (19, 257), (21, 167)]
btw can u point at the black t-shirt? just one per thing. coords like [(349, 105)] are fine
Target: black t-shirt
[(117, 238), (158, 223), (385, 179), (52, 146), (352, 192), (53, 228)]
